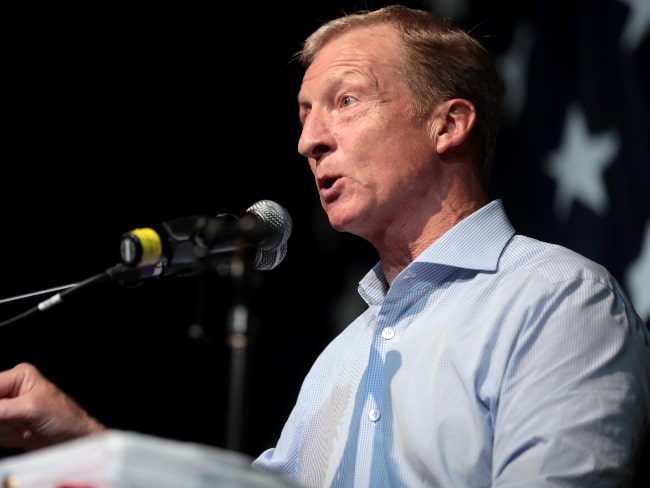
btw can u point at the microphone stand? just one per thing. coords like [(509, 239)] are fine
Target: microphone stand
[(237, 339), (36, 293), (119, 271)]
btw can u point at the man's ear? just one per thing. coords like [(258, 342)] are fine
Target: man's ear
[(452, 123)]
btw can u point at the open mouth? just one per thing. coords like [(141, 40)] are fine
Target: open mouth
[(327, 183)]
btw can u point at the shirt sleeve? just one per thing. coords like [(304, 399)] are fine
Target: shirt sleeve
[(574, 405)]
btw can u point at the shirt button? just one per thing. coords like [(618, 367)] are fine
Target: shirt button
[(374, 415), (388, 333)]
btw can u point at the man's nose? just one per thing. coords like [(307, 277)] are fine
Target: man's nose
[(315, 138)]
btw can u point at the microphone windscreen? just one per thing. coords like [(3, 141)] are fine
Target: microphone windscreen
[(266, 259), (277, 221)]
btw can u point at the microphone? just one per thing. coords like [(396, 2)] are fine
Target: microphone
[(191, 245)]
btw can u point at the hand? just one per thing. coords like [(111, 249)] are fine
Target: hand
[(35, 413)]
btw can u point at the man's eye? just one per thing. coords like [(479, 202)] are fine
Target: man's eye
[(345, 101)]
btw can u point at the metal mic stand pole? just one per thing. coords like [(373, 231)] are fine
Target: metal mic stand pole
[(237, 339)]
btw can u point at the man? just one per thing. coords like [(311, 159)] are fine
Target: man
[(484, 358)]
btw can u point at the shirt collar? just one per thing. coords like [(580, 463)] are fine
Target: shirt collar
[(476, 242)]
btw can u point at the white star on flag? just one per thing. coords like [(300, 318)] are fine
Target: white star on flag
[(578, 164)]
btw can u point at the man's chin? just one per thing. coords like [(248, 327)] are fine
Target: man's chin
[(342, 216), (342, 222)]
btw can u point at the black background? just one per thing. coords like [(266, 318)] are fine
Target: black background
[(123, 118), (128, 118)]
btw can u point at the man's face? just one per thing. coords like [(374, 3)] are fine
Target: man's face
[(371, 158)]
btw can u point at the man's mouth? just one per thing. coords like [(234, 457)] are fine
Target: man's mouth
[(328, 187), (327, 183)]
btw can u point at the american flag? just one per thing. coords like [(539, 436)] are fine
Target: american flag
[(573, 161)]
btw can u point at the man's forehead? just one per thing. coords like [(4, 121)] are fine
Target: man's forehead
[(369, 45)]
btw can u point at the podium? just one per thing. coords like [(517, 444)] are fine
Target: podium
[(123, 459)]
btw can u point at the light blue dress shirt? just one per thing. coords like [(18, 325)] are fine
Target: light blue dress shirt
[(492, 360)]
